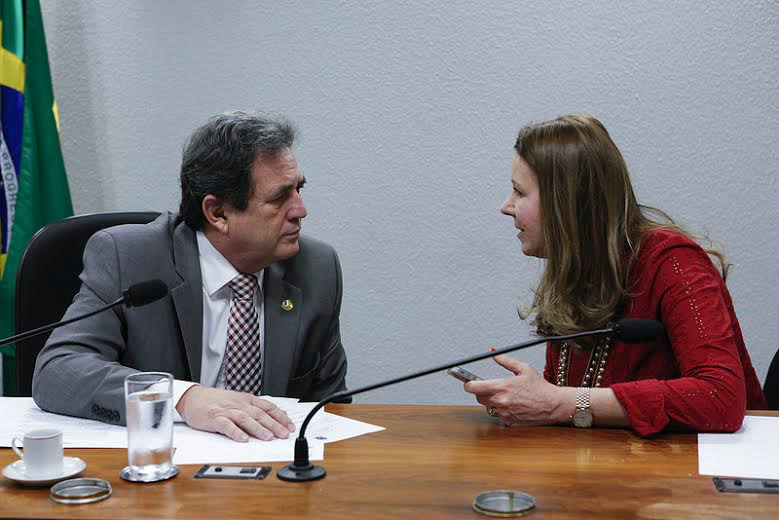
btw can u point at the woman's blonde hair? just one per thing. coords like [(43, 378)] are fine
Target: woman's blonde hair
[(592, 224)]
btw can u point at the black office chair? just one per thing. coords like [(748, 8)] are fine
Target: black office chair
[(47, 279), (771, 386)]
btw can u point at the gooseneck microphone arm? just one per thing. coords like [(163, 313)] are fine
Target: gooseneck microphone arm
[(135, 296), (628, 330), (50, 326), (463, 361)]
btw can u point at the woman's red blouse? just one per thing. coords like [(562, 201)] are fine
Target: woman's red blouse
[(699, 377)]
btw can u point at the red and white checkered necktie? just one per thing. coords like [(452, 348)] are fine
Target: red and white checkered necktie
[(243, 371)]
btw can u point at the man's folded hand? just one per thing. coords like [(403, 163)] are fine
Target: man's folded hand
[(237, 415)]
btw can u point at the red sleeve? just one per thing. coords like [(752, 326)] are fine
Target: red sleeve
[(549, 364), (710, 393)]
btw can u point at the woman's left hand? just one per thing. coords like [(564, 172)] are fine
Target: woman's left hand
[(522, 400)]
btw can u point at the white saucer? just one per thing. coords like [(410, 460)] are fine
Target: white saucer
[(17, 471)]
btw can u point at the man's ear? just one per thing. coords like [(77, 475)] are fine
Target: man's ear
[(214, 213)]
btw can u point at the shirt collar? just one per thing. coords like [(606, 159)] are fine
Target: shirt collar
[(215, 270)]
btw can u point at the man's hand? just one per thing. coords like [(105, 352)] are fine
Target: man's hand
[(234, 414)]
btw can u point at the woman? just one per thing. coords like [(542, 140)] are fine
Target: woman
[(607, 257)]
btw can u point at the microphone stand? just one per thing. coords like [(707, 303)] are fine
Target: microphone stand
[(301, 470)]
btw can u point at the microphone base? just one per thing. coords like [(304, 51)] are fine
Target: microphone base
[(293, 473)]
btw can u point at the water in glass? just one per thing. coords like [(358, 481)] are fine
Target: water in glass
[(150, 432)]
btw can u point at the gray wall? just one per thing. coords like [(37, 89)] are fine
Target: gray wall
[(408, 112)]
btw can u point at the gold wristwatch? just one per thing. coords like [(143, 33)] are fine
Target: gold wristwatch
[(582, 414)]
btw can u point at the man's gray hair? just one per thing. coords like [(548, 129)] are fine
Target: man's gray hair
[(218, 159)]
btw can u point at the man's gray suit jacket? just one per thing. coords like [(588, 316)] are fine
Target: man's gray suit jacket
[(81, 369)]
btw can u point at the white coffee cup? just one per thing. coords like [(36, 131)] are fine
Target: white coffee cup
[(42, 453)]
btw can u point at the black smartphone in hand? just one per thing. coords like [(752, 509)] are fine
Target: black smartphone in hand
[(463, 375)]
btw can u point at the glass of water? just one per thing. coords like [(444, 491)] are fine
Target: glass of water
[(148, 397)]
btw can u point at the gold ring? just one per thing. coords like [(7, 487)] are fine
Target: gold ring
[(491, 411)]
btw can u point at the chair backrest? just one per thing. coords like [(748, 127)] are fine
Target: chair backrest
[(47, 279), (771, 386)]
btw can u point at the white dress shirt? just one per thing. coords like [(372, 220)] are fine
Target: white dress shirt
[(216, 272)]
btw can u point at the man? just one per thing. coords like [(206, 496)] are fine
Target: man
[(253, 306)]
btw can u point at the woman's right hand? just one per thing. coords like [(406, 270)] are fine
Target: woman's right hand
[(523, 399)]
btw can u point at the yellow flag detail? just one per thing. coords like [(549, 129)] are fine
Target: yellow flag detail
[(56, 115), (11, 70)]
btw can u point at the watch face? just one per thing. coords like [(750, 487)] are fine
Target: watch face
[(582, 418)]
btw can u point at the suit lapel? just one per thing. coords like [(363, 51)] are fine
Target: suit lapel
[(281, 330), (187, 296)]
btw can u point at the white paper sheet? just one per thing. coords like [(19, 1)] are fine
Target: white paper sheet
[(196, 447), (751, 452), (21, 414), (324, 427), (328, 427)]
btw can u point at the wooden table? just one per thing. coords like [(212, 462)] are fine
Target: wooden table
[(431, 462)]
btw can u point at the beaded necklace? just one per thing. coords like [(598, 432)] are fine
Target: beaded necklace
[(595, 366)]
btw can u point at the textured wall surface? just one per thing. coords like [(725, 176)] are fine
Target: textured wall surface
[(408, 111)]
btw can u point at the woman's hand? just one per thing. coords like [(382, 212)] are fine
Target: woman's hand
[(524, 399)]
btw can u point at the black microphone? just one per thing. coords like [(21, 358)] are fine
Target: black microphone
[(627, 330), (136, 295), (635, 330), (142, 293)]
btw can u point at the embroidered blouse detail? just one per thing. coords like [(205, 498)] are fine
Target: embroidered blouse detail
[(694, 311), (699, 376)]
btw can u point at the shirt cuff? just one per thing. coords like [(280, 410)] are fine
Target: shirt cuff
[(179, 389)]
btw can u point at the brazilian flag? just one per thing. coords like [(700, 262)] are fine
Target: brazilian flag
[(33, 186)]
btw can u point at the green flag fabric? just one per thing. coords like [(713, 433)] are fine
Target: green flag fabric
[(33, 186)]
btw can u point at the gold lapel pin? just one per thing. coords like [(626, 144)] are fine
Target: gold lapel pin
[(287, 305)]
